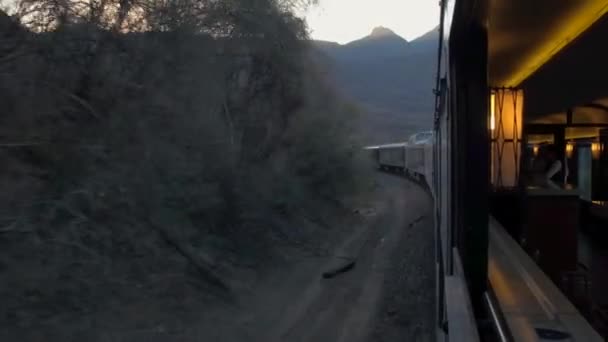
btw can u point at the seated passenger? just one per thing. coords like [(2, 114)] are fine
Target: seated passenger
[(547, 169), (554, 169)]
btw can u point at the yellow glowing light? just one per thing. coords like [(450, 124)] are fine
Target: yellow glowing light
[(492, 111), (507, 138), (535, 150), (595, 150), (569, 149), (572, 25)]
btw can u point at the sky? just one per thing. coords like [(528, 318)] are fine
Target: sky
[(343, 21)]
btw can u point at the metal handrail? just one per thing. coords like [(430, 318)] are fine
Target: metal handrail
[(500, 324)]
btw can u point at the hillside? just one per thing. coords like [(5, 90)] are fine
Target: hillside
[(181, 172), (151, 175), (391, 78)]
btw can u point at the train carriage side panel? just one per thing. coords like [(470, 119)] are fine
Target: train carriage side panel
[(392, 156), (416, 159), (428, 166)]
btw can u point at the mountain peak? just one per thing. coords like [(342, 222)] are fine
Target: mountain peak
[(429, 35), (382, 31)]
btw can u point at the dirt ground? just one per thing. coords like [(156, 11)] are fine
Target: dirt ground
[(387, 296)]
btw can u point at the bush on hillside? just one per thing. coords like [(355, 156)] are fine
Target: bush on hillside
[(201, 120)]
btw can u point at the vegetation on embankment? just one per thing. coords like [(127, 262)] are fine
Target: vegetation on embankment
[(152, 146)]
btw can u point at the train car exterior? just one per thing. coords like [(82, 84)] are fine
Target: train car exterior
[(414, 158), (483, 274), (392, 156), (486, 50)]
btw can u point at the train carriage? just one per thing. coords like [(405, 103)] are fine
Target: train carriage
[(413, 157), (392, 156), (507, 244)]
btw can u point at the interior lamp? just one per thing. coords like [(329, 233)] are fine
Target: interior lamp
[(595, 150), (569, 149), (505, 130)]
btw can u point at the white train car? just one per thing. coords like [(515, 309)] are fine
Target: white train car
[(392, 156), (414, 157), (420, 155)]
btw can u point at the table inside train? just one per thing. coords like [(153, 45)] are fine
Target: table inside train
[(551, 216)]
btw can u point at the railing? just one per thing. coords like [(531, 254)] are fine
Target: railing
[(532, 305), (461, 320)]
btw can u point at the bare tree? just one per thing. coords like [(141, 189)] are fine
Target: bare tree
[(191, 118)]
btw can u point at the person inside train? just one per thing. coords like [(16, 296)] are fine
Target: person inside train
[(547, 167), (554, 169)]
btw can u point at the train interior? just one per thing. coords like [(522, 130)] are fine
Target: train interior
[(549, 106)]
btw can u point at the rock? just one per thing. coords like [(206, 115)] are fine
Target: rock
[(343, 266)]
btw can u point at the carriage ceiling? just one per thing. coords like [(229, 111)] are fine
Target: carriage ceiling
[(557, 50)]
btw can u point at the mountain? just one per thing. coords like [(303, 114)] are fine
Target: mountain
[(427, 42), (381, 43), (390, 78)]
